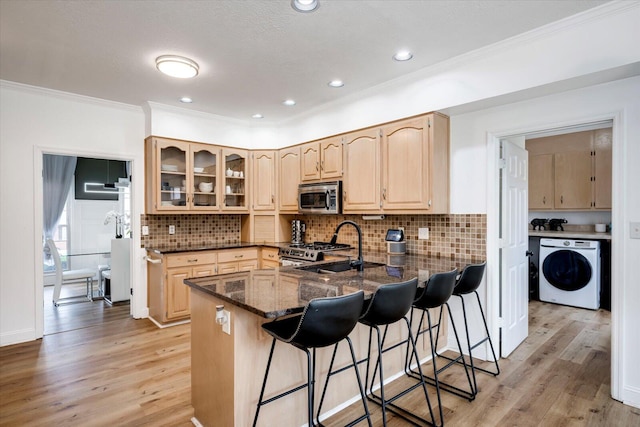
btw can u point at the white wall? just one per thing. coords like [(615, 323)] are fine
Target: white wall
[(35, 122), (618, 100)]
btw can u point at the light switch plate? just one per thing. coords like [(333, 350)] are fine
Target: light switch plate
[(634, 230), (172, 229), (145, 230), (423, 233)]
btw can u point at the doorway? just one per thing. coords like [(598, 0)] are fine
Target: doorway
[(98, 212), (496, 302)]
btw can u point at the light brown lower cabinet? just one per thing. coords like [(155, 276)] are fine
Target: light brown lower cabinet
[(169, 298)]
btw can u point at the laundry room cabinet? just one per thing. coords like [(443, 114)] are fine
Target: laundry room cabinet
[(571, 171)]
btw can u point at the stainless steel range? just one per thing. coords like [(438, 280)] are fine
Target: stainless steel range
[(310, 252)]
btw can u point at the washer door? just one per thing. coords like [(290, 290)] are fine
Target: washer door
[(567, 270)]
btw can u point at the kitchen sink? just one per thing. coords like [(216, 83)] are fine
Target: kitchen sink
[(336, 267)]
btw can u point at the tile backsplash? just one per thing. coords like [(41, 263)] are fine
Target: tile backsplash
[(450, 235), (191, 230)]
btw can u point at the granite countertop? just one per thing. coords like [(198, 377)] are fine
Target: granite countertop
[(570, 234), (212, 247), (286, 290)]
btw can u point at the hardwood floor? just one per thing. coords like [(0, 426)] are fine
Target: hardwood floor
[(79, 314), (129, 372)]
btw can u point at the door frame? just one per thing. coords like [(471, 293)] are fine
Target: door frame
[(138, 299), (617, 233)]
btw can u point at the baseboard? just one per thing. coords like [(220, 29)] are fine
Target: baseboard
[(17, 337), (167, 325)]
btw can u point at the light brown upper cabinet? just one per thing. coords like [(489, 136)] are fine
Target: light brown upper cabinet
[(415, 165), (264, 180), (401, 167), (361, 185), (235, 188), (288, 179), (321, 160), (541, 194), (602, 169), (570, 171), (181, 176)]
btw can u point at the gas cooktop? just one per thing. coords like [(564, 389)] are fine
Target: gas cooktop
[(310, 251)]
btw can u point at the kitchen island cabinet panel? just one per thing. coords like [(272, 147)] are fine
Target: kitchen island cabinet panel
[(227, 370)]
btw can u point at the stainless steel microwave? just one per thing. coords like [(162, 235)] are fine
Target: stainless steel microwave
[(320, 198)]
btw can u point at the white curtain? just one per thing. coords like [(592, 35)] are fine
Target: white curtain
[(57, 175)]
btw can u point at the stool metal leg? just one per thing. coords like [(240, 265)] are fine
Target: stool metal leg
[(361, 389), (470, 347), (387, 403), (264, 383), (470, 394)]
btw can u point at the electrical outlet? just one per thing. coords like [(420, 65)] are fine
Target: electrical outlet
[(172, 229), (226, 327), (634, 230), (145, 230), (423, 233), (401, 229)]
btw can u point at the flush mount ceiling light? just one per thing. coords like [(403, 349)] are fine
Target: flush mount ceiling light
[(289, 102), (177, 66), (186, 100), (305, 5), (403, 55), (257, 116), (336, 83)]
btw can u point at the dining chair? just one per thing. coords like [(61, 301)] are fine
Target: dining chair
[(69, 275)]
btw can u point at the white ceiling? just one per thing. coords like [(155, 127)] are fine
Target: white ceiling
[(252, 54)]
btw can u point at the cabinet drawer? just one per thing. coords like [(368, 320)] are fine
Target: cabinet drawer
[(237, 255), (269, 254), (191, 259)]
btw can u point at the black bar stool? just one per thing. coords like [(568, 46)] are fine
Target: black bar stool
[(435, 294), (389, 304), (468, 283), (324, 322)]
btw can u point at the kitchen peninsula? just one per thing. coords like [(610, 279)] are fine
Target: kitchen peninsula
[(227, 369)]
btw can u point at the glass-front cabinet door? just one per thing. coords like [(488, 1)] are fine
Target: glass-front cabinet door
[(235, 183), (172, 178), (204, 188)]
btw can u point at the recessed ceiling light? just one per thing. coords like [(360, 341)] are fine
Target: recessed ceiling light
[(257, 116), (177, 66), (289, 102), (336, 83), (186, 100), (305, 5), (403, 55)]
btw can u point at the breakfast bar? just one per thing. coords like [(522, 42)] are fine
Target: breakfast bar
[(227, 367)]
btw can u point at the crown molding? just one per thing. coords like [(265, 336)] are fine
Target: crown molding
[(68, 96)]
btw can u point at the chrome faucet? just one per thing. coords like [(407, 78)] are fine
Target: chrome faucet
[(359, 264)]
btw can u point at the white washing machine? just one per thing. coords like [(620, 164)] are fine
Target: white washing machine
[(570, 272)]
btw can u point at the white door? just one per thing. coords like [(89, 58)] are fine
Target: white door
[(514, 244)]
